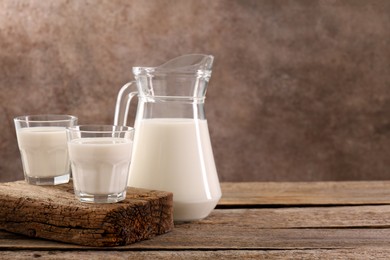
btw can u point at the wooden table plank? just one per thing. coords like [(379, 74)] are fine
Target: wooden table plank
[(307, 217), (217, 240), (304, 193), (357, 254), (280, 228)]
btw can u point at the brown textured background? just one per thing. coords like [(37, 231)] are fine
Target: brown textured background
[(300, 89)]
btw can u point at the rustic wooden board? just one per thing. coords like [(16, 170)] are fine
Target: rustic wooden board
[(53, 212), (304, 193)]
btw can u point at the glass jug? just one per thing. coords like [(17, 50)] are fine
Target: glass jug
[(172, 149)]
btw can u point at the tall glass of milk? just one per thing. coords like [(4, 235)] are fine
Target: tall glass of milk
[(100, 157), (172, 148), (43, 147)]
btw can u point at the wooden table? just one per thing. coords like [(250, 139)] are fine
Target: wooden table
[(327, 220)]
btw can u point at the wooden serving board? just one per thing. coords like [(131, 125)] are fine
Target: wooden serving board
[(53, 212)]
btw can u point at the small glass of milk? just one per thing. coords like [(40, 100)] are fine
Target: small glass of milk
[(100, 157), (43, 148)]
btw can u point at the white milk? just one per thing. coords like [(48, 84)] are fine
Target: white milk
[(100, 165), (43, 151), (175, 155)]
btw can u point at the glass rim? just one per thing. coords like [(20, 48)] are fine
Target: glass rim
[(100, 128), (41, 118)]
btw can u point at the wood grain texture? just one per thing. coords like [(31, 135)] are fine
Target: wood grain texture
[(316, 227), (358, 254), (218, 239), (283, 228), (304, 193), (53, 212)]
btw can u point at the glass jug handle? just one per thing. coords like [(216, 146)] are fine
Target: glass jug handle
[(123, 103)]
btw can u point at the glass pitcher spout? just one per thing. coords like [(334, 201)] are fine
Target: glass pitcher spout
[(188, 63), (184, 76)]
